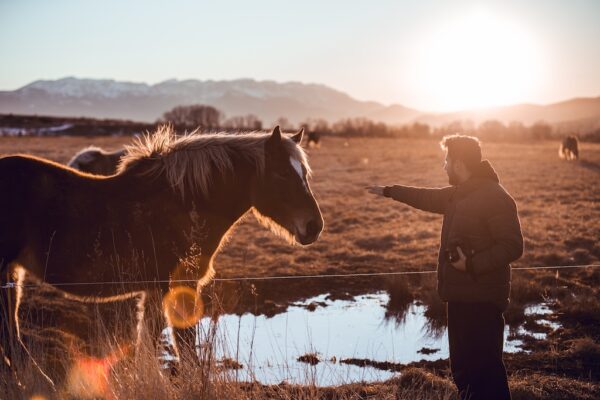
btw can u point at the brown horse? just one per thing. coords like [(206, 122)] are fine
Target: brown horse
[(95, 160), (314, 139), (154, 226), (569, 148)]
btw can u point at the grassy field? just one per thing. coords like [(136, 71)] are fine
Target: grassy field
[(559, 206)]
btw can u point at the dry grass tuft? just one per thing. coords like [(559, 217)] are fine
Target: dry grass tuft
[(416, 380), (550, 387)]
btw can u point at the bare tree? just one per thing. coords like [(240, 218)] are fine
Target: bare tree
[(253, 123), (540, 130), (492, 129), (284, 124), (194, 116), (316, 125), (245, 122)]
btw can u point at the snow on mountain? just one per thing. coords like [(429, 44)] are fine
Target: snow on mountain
[(74, 87)]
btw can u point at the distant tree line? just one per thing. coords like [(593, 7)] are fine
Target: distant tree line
[(353, 127), (491, 130), (498, 131), (209, 118)]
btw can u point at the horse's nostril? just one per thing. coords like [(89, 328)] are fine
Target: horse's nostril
[(312, 228)]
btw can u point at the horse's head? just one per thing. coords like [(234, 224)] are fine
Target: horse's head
[(283, 197)]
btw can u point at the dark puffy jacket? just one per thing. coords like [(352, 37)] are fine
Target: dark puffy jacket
[(480, 214)]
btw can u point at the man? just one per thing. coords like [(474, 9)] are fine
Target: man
[(481, 236)]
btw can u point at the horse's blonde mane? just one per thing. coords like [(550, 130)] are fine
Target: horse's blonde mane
[(191, 161)]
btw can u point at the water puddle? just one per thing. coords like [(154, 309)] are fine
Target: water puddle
[(538, 309), (323, 332), (540, 312)]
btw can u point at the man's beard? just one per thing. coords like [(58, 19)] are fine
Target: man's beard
[(453, 178)]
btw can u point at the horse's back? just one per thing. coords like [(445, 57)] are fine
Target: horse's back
[(22, 175), (31, 189), (13, 195)]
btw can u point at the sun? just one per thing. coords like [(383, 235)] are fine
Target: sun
[(478, 60)]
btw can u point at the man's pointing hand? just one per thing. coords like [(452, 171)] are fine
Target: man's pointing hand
[(376, 190)]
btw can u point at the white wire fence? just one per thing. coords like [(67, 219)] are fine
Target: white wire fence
[(11, 285)]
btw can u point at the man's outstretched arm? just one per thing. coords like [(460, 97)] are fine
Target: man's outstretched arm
[(433, 200)]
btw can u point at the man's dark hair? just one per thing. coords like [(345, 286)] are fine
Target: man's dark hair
[(464, 148)]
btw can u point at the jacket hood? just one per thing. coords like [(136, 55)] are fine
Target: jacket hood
[(486, 171)]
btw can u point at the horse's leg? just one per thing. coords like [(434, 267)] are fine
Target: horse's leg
[(7, 332), (185, 344), (8, 310), (185, 336), (13, 350), (9, 345), (154, 320)]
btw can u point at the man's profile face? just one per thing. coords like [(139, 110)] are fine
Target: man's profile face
[(450, 168)]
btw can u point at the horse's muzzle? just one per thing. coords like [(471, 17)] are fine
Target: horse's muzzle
[(311, 232)]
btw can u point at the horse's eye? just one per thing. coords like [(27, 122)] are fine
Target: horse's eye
[(282, 174)]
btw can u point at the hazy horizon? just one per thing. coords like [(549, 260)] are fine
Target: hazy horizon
[(429, 55), (319, 83)]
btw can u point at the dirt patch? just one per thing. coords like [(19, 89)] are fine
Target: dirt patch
[(310, 358)]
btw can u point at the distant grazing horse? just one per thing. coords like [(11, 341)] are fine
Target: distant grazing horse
[(314, 139), (569, 148), (96, 161), (154, 226)]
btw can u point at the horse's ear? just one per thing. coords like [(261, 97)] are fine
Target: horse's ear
[(297, 138), (274, 140), (276, 134)]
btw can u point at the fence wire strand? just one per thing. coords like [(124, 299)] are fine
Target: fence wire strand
[(12, 285)]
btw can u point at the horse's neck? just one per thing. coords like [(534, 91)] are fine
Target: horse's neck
[(228, 199), (210, 219), (195, 221)]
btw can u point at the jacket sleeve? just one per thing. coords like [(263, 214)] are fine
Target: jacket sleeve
[(432, 200), (505, 230)]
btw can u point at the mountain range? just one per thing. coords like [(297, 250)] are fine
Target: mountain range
[(269, 100)]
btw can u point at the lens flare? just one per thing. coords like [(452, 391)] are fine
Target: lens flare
[(89, 376), (184, 309)]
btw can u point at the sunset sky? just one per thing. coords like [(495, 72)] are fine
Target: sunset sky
[(426, 54)]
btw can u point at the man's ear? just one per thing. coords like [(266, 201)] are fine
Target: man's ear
[(460, 166)]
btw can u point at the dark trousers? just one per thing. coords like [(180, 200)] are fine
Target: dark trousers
[(476, 338)]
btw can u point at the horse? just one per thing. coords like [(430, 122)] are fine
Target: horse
[(96, 160), (314, 139), (154, 227), (569, 148)]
